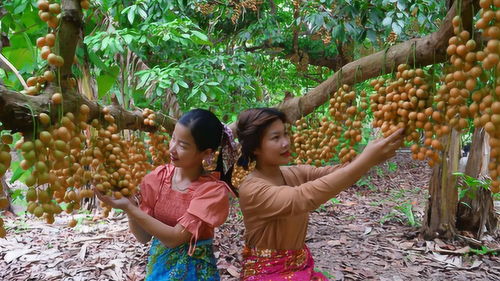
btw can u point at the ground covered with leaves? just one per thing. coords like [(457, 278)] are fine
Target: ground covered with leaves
[(369, 232)]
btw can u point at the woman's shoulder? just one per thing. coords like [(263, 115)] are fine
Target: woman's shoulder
[(250, 185), (159, 171), (210, 183)]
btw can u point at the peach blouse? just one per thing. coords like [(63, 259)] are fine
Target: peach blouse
[(204, 206), (276, 217)]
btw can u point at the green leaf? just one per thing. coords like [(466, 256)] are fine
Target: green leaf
[(203, 97), (175, 88), (143, 14), (128, 38), (370, 33), (182, 84), (397, 29), (20, 57), (18, 172), (21, 7), (200, 38), (131, 14), (106, 81), (387, 21), (338, 32), (96, 60)]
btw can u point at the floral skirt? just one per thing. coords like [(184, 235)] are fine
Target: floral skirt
[(175, 264), (277, 265)]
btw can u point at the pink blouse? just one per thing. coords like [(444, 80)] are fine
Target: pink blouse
[(204, 206)]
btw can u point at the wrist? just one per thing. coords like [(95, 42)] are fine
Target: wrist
[(366, 159), (128, 208)]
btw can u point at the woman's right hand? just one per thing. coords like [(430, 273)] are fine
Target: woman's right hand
[(123, 203), (379, 150)]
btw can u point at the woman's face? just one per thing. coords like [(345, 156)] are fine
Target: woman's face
[(183, 150), (275, 145)]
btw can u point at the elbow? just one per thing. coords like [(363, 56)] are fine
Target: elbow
[(143, 237), (144, 240), (170, 244), (175, 240)]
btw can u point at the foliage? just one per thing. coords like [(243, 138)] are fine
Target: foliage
[(202, 50), (485, 250), (470, 186)]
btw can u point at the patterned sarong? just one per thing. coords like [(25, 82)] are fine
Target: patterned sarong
[(278, 265), (175, 264)]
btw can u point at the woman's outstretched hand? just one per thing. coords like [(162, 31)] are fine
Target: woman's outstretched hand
[(123, 203), (379, 150)]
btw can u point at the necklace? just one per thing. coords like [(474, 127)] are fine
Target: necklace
[(176, 185)]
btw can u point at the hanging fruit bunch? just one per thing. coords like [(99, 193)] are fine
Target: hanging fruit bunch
[(138, 158), (56, 164), (159, 147), (111, 163), (486, 105), (5, 161), (158, 142), (51, 14), (406, 102), (348, 110), (239, 173), (309, 141), (314, 142)]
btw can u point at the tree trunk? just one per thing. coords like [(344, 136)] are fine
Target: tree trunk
[(476, 212), (440, 216)]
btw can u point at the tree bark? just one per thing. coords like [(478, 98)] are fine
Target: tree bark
[(69, 34), (440, 215), (476, 212)]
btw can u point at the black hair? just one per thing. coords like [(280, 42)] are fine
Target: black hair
[(207, 132), (250, 130)]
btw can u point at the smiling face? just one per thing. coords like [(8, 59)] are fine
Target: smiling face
[(183, 150), (275, 145)]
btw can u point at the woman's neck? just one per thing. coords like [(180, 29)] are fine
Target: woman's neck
[(269, 172), (188, 174)]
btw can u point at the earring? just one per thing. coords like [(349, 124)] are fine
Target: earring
[(208, 162)]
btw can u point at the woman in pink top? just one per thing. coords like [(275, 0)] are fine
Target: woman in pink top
[(181, 203), (276, 200)]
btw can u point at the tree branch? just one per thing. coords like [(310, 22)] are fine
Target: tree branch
[(17, 110), (429, 50)]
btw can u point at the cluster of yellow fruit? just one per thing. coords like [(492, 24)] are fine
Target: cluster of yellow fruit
[(314, 142), (159, 147), (485, 108), (406, 102), (70, 156), (239, 174), (348, 110), (58, 166), (49, 13), (5, 161), (149, 117)]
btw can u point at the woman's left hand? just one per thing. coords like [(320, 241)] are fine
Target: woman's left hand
[(123, 203)]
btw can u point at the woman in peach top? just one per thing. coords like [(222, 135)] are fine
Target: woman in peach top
[(276, 200), (181, 203)]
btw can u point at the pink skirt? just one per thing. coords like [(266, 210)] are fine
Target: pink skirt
[(277, 265)]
